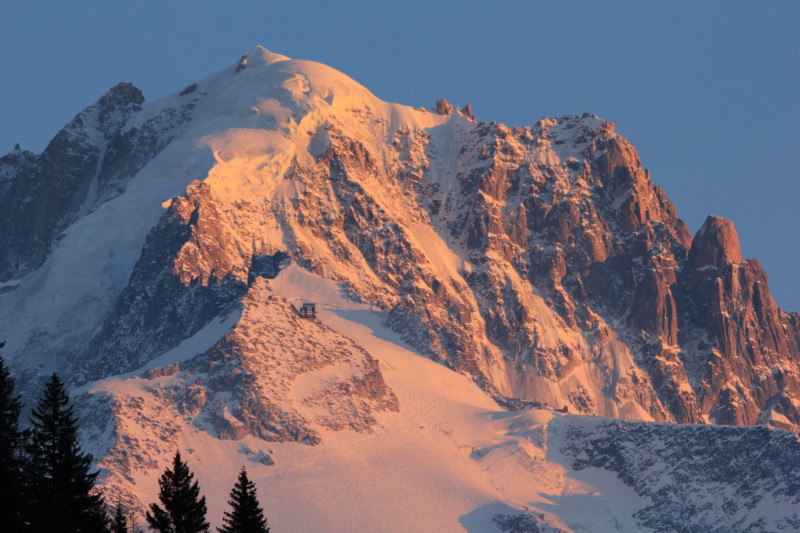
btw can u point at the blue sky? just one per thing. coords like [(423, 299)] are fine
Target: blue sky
[(707, 91)]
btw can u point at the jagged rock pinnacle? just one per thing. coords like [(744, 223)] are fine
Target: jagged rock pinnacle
[(715, 244), (443, 107)]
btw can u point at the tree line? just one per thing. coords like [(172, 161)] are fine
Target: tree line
[(47, 486)]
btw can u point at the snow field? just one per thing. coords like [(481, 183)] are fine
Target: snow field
[(449, 460)]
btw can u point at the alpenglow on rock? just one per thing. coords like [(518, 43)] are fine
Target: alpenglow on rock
[(541, 261), (156, 254)]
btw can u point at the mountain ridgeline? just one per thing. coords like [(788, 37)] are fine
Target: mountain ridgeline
[(541, 261)]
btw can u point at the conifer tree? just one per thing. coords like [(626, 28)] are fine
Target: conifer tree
[(120, 522), (184, 510), (246, 515), (59, 485), (10, 452)]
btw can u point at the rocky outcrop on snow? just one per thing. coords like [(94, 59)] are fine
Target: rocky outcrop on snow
[(276, 376), (524, 523), (688, 474), (182, 294), (275, 359), (443, 107)]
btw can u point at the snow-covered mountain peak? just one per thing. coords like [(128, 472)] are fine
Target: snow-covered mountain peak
[(160, 254), (264, 74), (570, 135), (300, 85)]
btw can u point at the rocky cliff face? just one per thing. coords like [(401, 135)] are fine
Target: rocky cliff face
[(747, 348), (44, 193), (541, 261)]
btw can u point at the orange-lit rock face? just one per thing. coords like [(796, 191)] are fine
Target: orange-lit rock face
[(567, 277), (541, 261), (716, 244), (747, 370)]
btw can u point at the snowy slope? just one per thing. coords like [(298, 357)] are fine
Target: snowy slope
[(449, 459)]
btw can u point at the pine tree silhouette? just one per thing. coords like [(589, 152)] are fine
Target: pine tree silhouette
[(246, 515), (59, 486), (184, 509), (11, 440), (120, 522)]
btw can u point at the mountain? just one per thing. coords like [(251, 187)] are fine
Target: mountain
[(156, 254)]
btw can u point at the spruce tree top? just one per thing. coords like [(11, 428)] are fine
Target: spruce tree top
[(58, 476), (184, 510), (11, 462), (120, 522), (10, 436), (246, 515)]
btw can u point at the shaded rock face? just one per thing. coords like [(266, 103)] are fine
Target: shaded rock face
[(44, 192), (87, 163), (750, 474), (167, 299), (524, 523)]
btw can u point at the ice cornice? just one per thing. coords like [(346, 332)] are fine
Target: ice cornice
[(258, 55)]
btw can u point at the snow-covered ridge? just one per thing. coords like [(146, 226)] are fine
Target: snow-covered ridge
[(524, 257)]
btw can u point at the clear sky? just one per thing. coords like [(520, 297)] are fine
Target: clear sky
[(708, 92)]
